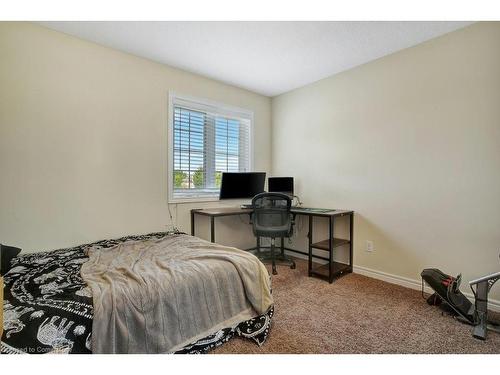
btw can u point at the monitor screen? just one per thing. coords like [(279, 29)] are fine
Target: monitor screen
[(280, 185), (242, 185)]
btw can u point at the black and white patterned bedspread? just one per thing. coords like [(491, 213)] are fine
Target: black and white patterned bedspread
[(48, 307)]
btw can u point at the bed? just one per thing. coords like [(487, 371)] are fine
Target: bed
[(154, 293)]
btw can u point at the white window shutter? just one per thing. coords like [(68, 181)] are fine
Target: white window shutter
[(208, 139)]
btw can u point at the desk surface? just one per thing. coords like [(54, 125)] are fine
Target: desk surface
[(227, 211)]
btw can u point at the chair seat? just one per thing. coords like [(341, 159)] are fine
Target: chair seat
[(274, 232)]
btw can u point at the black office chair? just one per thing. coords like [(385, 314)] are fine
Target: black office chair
[(271, 218)]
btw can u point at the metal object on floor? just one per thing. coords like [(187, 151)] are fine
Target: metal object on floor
[(482, 287), (446, 287)]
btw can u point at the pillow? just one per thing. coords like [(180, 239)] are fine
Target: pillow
[(7, 253)]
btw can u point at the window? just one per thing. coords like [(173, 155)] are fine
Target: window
[(206, 139)]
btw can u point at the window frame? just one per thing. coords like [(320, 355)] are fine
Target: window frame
[(217, 107)]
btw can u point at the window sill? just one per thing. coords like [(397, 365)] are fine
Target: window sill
[(192, 200)]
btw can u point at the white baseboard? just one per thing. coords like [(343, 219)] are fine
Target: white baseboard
[(493, 305)]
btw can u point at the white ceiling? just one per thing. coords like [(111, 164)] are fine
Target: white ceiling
[(269, 58)]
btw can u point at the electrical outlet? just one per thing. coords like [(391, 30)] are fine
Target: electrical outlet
[(369, 246)]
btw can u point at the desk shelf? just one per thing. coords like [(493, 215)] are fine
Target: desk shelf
[(325, 244), (332, 269), (337, 270)]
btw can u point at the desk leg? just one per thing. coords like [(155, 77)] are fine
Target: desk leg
[(351, 240), (310, 237), (212, 229), (192, 223), (330, 250)]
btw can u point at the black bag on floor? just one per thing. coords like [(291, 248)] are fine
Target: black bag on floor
[(434, 300), (447, 290)]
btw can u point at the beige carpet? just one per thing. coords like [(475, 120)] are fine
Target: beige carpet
[(357, 314)]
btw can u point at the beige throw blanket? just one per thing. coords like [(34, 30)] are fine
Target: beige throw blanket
[(159, 295)]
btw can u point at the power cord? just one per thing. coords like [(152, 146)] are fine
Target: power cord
[(172, 225), (297, 198)]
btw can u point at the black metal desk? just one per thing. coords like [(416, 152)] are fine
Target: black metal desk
[(327, 271)]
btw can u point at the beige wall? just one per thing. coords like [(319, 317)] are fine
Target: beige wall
[(83, 140), (411, 142)]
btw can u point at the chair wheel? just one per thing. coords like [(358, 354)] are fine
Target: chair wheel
[(275, 272), (293, 266)]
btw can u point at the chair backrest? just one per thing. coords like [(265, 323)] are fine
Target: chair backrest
[(271, 215)]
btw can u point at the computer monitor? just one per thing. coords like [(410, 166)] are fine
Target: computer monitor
[(280, 185), (241, 185)]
